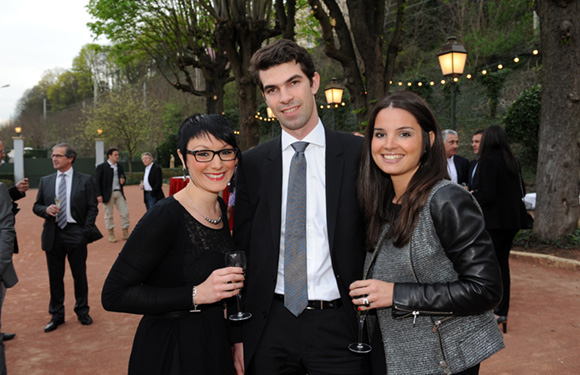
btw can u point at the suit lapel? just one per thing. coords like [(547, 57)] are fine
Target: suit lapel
[(272, 177), (334, 173)]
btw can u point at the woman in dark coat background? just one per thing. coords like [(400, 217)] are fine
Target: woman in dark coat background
[(499, 192)]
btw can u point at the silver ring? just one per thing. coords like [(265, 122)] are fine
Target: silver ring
[(366, 302)]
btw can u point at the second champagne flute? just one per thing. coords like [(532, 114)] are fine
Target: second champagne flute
[(237, 259)]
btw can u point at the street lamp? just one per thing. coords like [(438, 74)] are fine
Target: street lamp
[(452, 57), (333, 92), (18, 130)]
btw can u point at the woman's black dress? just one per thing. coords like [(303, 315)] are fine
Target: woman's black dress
[(169, 252)]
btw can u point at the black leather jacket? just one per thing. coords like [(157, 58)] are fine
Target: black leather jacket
[(459, 225)]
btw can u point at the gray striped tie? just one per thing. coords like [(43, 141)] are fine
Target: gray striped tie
[(295, 281), (61, 217)]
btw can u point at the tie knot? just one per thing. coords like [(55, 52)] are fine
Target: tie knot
[(300, 146)]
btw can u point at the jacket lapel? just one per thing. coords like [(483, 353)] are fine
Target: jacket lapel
[(334, 173), (272, 177)]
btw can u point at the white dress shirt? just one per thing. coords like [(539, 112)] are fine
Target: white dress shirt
[(116, 180), (146, 184), (68, 178), (451, 169), (321, 280)]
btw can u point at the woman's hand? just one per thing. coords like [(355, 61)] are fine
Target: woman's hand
[(376, 293), (222, 283)]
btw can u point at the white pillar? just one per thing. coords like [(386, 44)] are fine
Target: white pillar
[(99, 151), (18, 158)]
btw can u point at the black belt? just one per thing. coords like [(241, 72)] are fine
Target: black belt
[(316, 304), (116, 189)]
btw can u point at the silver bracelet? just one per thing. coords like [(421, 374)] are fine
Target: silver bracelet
[(193, 294)]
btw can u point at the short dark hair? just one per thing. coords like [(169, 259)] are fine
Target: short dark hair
[(111, 150), (277, 53), (69, 152), (480, 131), (204, 125)]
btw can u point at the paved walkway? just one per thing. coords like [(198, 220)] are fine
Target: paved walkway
[(543, 332)]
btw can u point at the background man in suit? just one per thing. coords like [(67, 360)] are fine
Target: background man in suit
[(278, 338), (475, 143), (152, 181), (68, 227), (110, 179), (457, 166), (8, 276), (16, 192)]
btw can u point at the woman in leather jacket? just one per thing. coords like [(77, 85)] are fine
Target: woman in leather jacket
[(431, 272)]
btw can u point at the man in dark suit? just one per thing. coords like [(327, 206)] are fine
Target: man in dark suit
[(152, 181), (8, 276), (278, 338), (17, 191), (110, 179), (472, 174), (68, 227), (457, 166)]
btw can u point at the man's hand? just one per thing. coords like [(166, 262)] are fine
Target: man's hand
[(22, 185), (52, 210), (100, 199)]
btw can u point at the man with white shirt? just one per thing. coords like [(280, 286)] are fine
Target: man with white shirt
[(110, 179), (302, 317), (67, 201), (457, 166), (152, 181)]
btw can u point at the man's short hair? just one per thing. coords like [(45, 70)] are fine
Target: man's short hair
[(277, 53), (147, 154), (111, 150), (446, 132), (69, 152)]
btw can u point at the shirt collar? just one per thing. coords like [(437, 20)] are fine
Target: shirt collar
[(111, 164), (68, 173), (315, 137)]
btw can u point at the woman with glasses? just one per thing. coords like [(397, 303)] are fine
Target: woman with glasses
[(172, 268)]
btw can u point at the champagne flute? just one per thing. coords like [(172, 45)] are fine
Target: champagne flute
[(237, 259), (57, 201), (360, 346)]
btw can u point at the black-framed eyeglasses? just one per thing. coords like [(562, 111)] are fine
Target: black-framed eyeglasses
[(206, 156)]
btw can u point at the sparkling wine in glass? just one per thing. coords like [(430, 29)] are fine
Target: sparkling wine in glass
[(237, 259), (360, 346), (57, 201)]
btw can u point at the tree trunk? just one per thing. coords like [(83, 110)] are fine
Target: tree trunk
[(558, 159)]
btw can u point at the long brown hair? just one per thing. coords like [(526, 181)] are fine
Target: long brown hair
[(375, 188)]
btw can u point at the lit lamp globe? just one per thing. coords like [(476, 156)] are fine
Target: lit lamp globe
[(452, 57), (333, 92)]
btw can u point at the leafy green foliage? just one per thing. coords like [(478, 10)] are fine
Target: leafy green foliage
[(522, 124), (494, 83)]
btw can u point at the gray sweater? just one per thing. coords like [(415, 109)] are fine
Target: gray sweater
[(434, 341)]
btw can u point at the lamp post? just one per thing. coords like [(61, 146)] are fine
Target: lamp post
[(452, 57), (99, 148), (18, 154), (333, 92)]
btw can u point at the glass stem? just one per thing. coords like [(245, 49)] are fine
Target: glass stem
[(238, 298), (361, 324)]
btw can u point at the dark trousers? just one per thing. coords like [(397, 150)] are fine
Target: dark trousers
[(150, 200), (315, 343), (502, 242), (69, 243)]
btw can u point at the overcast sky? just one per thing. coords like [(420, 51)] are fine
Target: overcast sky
[(36, 36)]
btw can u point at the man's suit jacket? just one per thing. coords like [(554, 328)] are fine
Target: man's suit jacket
[(7, 238), (258, 218), (104, 180), (462, 167), (472, 178), (83, 206), (156, 181)]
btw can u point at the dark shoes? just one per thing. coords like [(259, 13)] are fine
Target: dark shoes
[(54, 323), (85, 320), (7, 336)]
